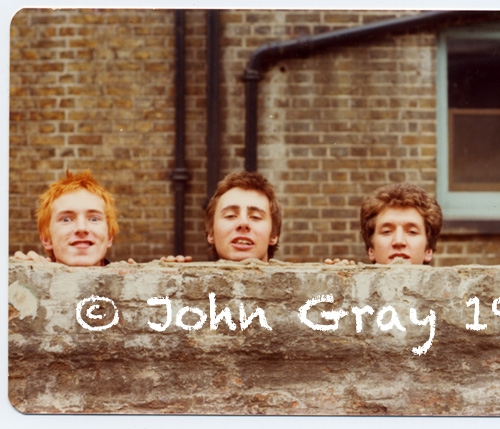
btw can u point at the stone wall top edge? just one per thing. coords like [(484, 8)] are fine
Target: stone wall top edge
[(273, 265)]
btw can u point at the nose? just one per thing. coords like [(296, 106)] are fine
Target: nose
[(81, 225), (399, 239), (243, 224)]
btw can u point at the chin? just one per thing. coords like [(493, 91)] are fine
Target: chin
[(82, 261), (238, 257), (91, 263)]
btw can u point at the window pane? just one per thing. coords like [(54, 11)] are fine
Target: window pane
[(475, 152), (474, 114), (474, 73)]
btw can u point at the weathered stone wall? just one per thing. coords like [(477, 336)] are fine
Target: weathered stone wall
[(60, 361)]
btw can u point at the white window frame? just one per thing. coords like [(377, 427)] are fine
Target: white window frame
[(459, 206)]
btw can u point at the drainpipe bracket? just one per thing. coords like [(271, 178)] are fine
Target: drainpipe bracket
[(250, 75), (180, 175)]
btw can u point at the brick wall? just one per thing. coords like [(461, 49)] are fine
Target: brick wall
[(137, 356), (95, 88)]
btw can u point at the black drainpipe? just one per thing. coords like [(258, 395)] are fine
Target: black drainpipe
[(267, 55), (180, 174), (213, 122)]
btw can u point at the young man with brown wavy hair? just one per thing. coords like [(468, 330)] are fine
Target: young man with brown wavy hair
[(400, 221)]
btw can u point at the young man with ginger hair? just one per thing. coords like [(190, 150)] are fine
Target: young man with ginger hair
[(400, 221), (243, 219), (77, 222)]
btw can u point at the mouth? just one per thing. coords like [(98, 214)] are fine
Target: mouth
[(399, 255), (81, 244), (242, 241)]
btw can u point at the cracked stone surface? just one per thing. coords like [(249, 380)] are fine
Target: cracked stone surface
[(254, 338)]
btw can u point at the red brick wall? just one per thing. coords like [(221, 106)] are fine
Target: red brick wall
[(95, 88)]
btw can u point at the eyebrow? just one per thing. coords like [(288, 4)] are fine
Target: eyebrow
[(408, 224), (238, 208), (69, 212)]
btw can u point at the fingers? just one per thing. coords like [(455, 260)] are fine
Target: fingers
[(170, 258), (36, 257), (31, 256), (339, 261), (20, 255), (178, 258)]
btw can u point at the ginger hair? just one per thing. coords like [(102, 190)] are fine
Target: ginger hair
[(70, 183)]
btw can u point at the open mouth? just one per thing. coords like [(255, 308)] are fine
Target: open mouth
[(81, 244), (399, 255), (240, 241)]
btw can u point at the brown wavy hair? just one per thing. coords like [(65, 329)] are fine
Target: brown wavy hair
[(401, 195)]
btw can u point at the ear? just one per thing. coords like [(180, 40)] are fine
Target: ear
[(110, 241), (210, 238), (47, 242), (371, 255), (273, 241), (428, 256)]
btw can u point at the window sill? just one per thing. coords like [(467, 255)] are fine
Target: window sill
[(469, 227)]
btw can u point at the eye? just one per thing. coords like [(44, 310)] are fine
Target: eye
[(65, 219), (94, 218)]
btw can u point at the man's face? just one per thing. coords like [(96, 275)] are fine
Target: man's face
[(78, 229), (242, 225), (399, 232)]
